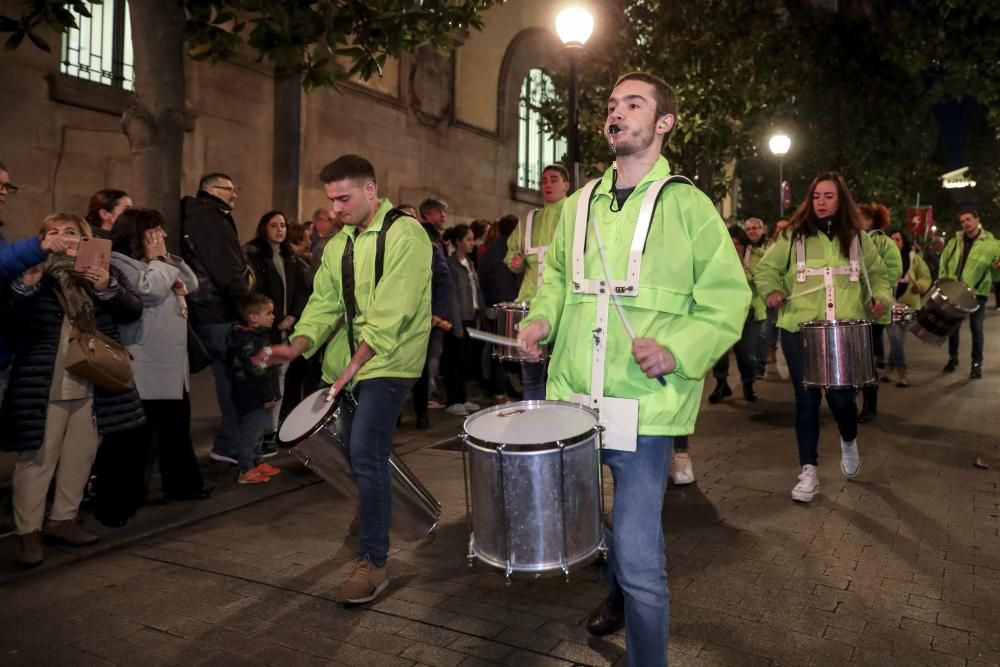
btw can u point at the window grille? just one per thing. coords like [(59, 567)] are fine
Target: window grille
[(537, 148), (99, 49)]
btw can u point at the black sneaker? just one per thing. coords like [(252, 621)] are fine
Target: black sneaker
[(950, 366), (976, 373), (268, 450)]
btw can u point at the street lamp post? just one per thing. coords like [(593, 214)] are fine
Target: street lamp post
[(779, 145), (574, 25)]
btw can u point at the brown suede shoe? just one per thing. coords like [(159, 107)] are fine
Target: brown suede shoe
[(364, 584), (30, 552), (68, 532)]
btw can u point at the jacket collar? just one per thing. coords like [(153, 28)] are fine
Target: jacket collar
[(660, 170), (384, 206)]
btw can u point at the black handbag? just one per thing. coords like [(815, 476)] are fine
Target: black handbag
[(198, 357)]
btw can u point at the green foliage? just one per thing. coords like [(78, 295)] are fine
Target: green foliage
[(307, 37)]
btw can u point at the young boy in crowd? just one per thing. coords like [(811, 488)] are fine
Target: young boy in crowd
[(255, 389)]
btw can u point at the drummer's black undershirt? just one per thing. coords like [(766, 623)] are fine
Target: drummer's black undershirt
[(622, 195)]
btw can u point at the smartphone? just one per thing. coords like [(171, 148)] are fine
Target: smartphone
[(93, 253)]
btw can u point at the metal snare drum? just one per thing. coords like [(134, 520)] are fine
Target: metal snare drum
[(533, 479), (945, 307), (508, 316), (316, 432), (902, 314), (837, 354)]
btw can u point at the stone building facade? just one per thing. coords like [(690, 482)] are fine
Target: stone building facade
[(433, 125)]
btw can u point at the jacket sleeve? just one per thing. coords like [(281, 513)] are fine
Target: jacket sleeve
[(877, 274), (948, 264), (221, 254), (186, 274), (770, 271), (720, 298), (155, 282), (399, 294), (16, 258), (892, 259), (514, 243), (921, 274), (548, 303), (326, 305), (440, 284), (122, 302)]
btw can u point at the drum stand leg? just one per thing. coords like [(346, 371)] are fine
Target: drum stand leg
[(562, 510), (603, 548), (470, 556), (506, 516)]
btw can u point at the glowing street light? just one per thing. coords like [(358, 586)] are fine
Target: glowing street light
[(574, 25)]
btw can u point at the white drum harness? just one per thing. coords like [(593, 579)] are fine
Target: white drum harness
[(828, 272), (537, 250), (619, 416)]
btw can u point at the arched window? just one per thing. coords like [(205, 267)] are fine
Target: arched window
[(536, 147), (99, 49)]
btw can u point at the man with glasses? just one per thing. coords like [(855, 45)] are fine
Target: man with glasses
[(211, 246)]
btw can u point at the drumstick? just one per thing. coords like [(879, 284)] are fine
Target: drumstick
[(479, 334)]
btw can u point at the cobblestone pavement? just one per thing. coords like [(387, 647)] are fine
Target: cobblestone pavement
[(900, 567)]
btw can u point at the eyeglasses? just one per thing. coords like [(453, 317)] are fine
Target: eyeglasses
[(9, 187)]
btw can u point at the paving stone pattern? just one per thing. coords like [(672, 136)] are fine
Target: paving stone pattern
[(900, 567)]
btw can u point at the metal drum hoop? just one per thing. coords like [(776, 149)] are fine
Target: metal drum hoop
[(514, 450), (331, 415)]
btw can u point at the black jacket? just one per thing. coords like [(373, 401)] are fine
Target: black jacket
[(210, 245), (499, 283), (252, 385), (37, 320), (267, 281)]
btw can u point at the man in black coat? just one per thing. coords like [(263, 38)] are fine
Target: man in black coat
[(211, 247)]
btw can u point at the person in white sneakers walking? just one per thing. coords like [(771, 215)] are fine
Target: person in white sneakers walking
[(827, 269)]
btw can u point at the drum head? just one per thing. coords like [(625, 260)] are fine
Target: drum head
[(307, 417), (531, 424), (957, 293)]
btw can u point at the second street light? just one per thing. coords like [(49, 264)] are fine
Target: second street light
[(779, 145), (574, 25)]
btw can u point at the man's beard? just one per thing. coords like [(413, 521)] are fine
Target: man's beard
[(633, 144)]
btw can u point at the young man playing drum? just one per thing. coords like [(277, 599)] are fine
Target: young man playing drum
[(526, 249), (641, 295), (379, 353)]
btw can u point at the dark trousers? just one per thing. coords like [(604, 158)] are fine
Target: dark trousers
[(976, 320), (369, 446), (458, 364), (299, 383), (807, 402), (170, 423), (745, 350), (878, 341), (421, 390), (121, 468)]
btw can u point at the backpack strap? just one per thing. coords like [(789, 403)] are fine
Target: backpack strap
[(347, 272)]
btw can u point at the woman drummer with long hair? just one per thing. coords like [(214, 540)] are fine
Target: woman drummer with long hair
[(825, 269)]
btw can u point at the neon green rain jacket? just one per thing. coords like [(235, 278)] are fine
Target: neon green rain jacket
[(776, 273), (977, 272), (394, 318), (757, 304), (893, 261), (693, 299), (920, 275), (543, 228)]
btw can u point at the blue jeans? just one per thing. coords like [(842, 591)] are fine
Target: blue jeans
[(807, 401), (533, 379), (746, 355), (213, 337), (976, 320), (253, 427), (897, 345), (380, 401), (637, 561)]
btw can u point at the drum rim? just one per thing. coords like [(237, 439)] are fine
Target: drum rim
[(335, 405), (936, 290), (552, 445), (827, 324)]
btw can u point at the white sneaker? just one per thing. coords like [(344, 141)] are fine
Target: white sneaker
[(457, 409), (470, 406), (850, 459), (808, 485), (681, 472)]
